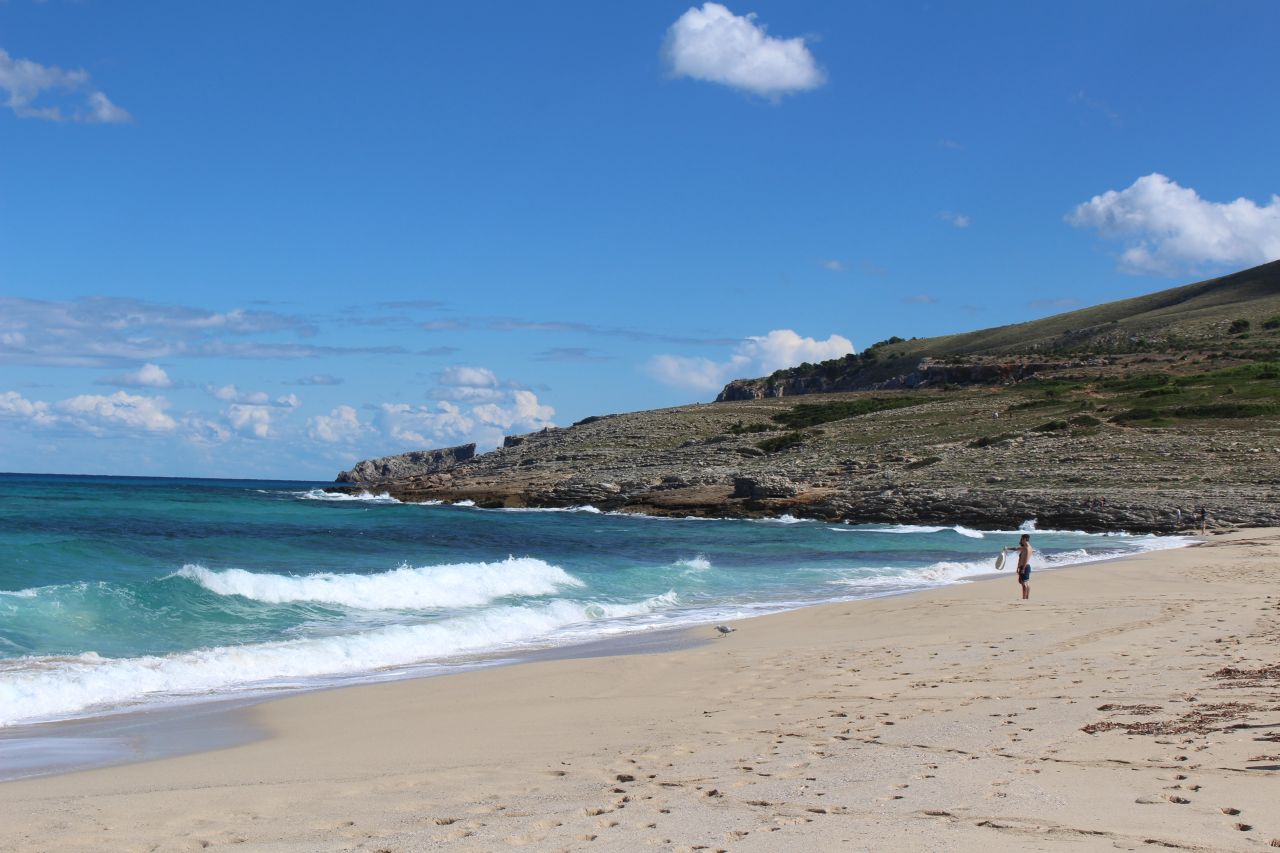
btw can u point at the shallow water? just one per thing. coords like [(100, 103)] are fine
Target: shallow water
[(116, 592)]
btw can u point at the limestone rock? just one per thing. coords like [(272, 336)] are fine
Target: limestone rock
[(763, 486), (411, 464)]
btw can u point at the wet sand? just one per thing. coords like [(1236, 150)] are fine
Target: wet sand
[(1128, 705)]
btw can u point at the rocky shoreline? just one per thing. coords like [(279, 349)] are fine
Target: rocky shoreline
[(1130, 416), (976, 458)]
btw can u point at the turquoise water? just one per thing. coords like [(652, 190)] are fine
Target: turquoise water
[(121, 591)]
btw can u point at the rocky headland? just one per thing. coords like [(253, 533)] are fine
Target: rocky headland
[(1129, 416)]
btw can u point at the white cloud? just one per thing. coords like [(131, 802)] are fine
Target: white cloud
[(252, 412), (833, 265), (204, 431), (471, 377), (24, 82), (784, 348), (14, 405), (425, 426), (755, 356), (959, 220), (147, 376), (701, 374), (231, 394), (250, 420), (477, 407), (523, 409), (342, 424), (106, 331), (1168, 229), (93, 412), (717, 46)]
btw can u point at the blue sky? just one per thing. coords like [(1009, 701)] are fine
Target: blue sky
[(243, 239)]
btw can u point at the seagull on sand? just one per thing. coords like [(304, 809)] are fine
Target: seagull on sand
[(725, 630)]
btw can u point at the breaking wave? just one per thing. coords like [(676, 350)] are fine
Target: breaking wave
[(405, 588), (56, 687)]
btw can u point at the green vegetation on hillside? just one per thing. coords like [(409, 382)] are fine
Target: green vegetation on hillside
[(812, 414), (784, 441), (1160, 398), (1208, 318)]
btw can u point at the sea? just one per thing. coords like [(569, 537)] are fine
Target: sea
[(120, 593)]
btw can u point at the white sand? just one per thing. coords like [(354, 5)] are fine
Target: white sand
[(945, 720)]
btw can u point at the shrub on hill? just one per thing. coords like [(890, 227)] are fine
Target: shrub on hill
[(812, 414), (784, 441)]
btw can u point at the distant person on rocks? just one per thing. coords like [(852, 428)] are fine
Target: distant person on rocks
[(1024, 564), (1204, 521)]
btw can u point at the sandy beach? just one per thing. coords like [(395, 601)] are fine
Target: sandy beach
[(1130, 704)]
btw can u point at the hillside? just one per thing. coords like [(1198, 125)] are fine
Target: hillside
[(1237, 314), (1128, 416)]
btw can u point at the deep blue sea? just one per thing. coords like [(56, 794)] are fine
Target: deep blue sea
[(118, 592)]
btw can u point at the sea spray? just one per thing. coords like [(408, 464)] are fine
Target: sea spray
[(405, 588), (57, 687)]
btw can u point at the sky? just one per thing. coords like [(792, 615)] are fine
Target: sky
[(271, 239)]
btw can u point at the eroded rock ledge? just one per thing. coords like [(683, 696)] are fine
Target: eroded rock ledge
[(412, 464), (979, 457)]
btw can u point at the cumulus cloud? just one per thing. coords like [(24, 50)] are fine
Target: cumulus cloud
[(14, 405), (203, 431), (231, 394), (756, 355), (118, 413), (477, 407), (714, 45), (523, 409), (147, 376), (252, 413), (341, 425), (957, 220), (96, 412), (28, 85), (461, 376), (424, 426), (250, 420), (1168, 229)]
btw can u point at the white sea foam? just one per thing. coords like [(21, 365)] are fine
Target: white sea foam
[(936, 574), (366, 497), (915, 528), (698, 563), (949, 572), (53, 688), (785, 518), (587, 508), (405, 588)]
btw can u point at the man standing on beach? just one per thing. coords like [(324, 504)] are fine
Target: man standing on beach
[(1024, 564)]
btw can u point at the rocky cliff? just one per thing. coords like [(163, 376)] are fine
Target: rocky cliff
[(1135, 429), (412, 464)]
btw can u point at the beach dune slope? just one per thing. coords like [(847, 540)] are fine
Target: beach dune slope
[(1128, 705)]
